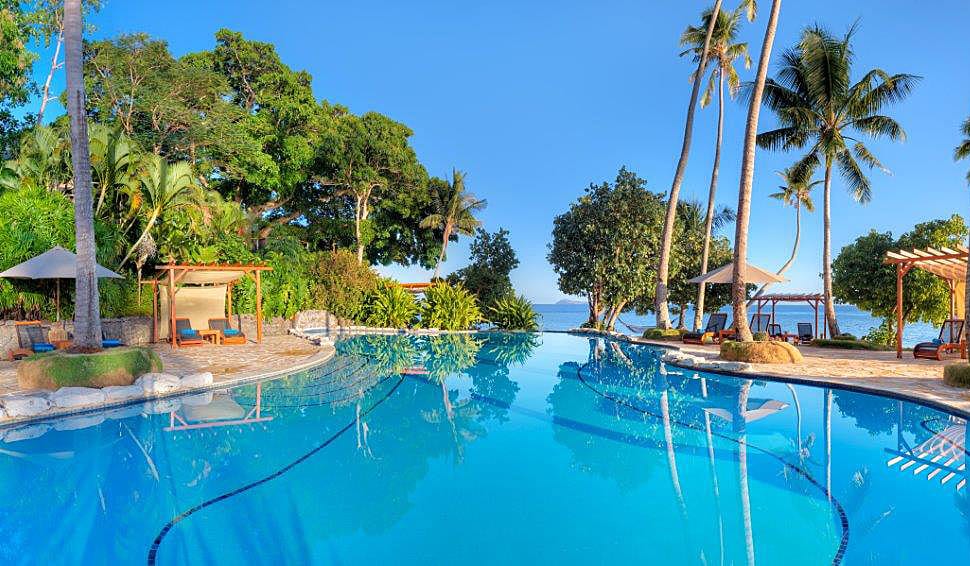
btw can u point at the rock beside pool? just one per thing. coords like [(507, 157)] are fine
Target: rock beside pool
[(69, 397), (773, 352), (21, 405), (116, 393), (158, 383), (197, 380)]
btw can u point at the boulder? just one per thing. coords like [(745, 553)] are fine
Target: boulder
[(773, 352), (158, 383), (117, 393), (957, 375), (69, 397), (197, 380), (26, 405), (116, 366)]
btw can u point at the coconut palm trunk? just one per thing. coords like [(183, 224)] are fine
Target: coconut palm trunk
[(444, 251), (663, 268), (739, 285), (87, 312), (830, 319), (711, 193)]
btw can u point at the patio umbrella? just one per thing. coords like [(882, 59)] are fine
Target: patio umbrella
[(56, 263), (725, 274)]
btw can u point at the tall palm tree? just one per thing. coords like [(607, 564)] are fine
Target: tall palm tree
[(723, 52), (87, 310), (795, 192), (739, 285), (164, 187), (663, 267), (454, 214), (962, 151), (818, 107)]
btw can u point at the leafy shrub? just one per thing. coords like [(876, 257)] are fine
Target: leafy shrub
[(846, 344), (341, 284), (882, 335), (513, 313), (390, 305), (449, 307), (845, 336), (957, 375), (663, 334)]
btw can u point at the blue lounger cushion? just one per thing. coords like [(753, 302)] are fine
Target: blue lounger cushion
[(230, 332), (188, 333), (43, 347), (111, 343)]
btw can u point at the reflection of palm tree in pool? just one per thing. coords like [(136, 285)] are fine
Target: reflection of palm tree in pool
[(740, 424), (451, 354), (510, 348)]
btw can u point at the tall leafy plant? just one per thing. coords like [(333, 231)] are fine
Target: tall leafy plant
[(449, 307)]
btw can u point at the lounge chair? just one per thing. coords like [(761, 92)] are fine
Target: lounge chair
[(759, 323), (34, 338), (715, 324), (229, 335), (110, 342), (950, 340), (774, 330), (185, 335), (806, 333)]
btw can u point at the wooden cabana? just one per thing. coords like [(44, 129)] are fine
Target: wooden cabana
[(814, 300), (949, 264), (212, 283)]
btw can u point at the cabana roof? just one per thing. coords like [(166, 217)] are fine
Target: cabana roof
[(790, 297), (948, 263), (209, 274)]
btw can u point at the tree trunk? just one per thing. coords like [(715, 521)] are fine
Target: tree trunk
[(794, 249), (45, 97), (357, 235), (148, 226), (593, 300), (614, 314), (712, 191), (441, 256), (663, 269), (830, 319), (87, 313), (739, 285), (966, 305)]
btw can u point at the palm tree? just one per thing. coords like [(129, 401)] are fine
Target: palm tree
[(797, 193), (454, 212), (962, 151), (739, 286), (663, 267), (87, 310), (818, 106), (115, 164), (724, 52), (164, 187), (43, 160)]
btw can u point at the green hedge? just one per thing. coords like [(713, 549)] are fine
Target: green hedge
[(661, 334), (117, 366), (846, 344), (957, 375)]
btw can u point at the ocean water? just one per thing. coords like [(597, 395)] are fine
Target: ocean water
[(851, 320), (492, 449)]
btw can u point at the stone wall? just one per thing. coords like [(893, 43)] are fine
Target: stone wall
[(132, 330), (276, 326), (317, 319)]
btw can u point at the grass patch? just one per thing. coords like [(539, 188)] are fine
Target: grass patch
[(671, 334), (848, 344), (957, 375), (773, 352), (117, 366)]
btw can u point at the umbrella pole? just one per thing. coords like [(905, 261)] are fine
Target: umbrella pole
[(57, 298)]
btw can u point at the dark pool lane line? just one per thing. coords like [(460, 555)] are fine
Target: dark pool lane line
[(153, 551)]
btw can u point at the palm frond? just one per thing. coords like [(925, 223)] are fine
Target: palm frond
[(880, 127), (856, 180), (863, 154)]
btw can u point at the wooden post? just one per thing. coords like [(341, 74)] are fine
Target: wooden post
[(900, 271), (229, 301), (155, 311), (773, 319), (171, 308), (259, 309), (953, 298)]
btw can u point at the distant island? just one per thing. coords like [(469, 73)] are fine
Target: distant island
[(570, 302)]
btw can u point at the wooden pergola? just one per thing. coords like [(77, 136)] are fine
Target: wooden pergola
[(814, 300), (416, 288), (173, 275), (949, 264)]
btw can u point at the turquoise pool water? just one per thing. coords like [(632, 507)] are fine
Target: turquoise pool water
[(479, 449)]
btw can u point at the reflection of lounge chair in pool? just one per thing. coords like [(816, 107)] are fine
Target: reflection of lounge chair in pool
[(950, 340), (715, 324), (223, 410), (943, 455)]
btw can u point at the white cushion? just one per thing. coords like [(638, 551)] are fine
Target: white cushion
[(26, 405), (123, 392), (67, 397), (156, 383), (197, 380)]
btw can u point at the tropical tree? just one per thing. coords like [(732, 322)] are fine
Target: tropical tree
[(723, 51), (16, 70), (795, 192), (688, 246), (663, 267), (454, 214), (43, 161), (87, 310), (165, 187), (116, 166), (817, 106), (488, 276), (739, 286), (962, 151)]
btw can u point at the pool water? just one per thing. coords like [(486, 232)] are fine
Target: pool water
[(492, 448)]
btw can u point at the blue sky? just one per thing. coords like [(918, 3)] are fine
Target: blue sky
[(535, 100)]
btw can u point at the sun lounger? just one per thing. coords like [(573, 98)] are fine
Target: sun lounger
[(34, 337), (185, 335), (110, 342), (806, 333), (759, 323), (229, 335), (950, 340), (715, 324)]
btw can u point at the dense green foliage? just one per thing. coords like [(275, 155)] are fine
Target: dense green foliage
[(341, 284), (390, 305), (673, 334), (845, 344), (449, 307), (957, 375), (861, 278), (513, 313), (492, 261)]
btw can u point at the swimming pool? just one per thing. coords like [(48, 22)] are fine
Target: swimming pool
[(492, 448)]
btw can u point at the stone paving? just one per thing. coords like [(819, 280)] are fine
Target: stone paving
[(227, 363)]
